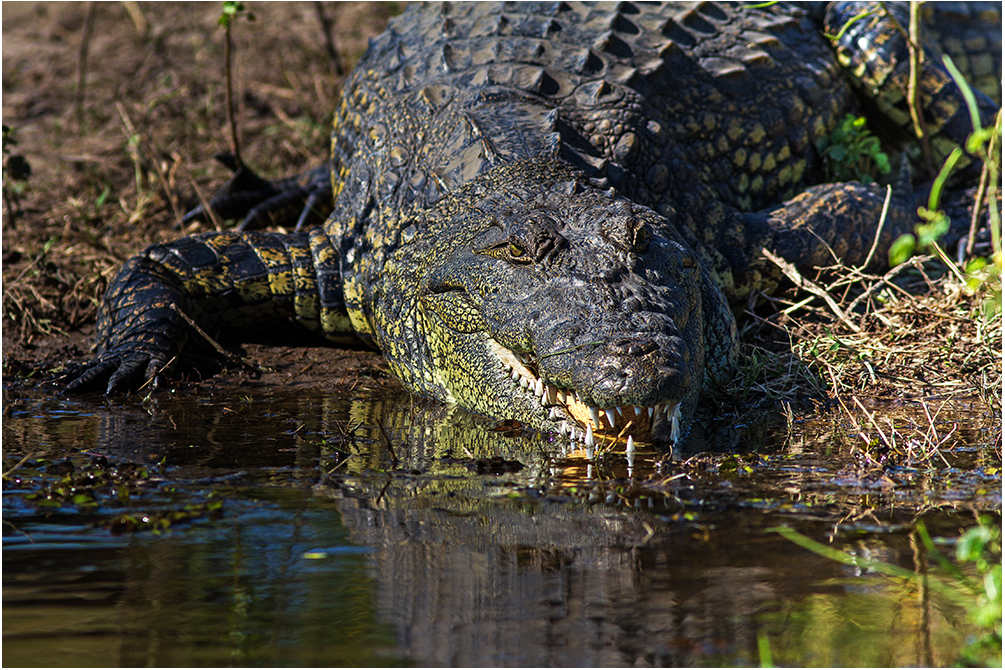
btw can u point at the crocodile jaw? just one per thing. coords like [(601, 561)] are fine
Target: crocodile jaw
[(584, 423)]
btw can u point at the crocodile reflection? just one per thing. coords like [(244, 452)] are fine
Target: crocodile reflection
[(474, 542), (470, 573)]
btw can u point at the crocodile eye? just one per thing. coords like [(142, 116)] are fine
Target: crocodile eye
[(509, 251), (512, 252)]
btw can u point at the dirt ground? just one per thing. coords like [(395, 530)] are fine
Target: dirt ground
[(115, 164), (117, 161)]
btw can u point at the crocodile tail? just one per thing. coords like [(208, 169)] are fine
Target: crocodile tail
[(853, 222), (870, 40)]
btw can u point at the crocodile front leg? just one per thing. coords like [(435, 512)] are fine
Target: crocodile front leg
[(217, 281)]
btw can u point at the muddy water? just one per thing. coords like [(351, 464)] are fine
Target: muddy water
[(263, 528)]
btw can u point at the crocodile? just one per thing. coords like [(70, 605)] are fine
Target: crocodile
[(544, 211)]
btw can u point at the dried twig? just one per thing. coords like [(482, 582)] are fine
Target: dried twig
[(85, 43), (326, 29), (213, 343), (793, 274), (136, 14), (975, 216), (879, 229), (17, 465)]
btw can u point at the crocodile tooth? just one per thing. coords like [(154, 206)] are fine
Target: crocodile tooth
[(651, 409), (524, 383), (675, 423), (670, 410), (552, 412), (595, 415), (610, 416), (560, 393), (539, 389), (515, 374), (618, 410), (630, 447), (552, 394), (589, 436), (638, 410), (564, 428)]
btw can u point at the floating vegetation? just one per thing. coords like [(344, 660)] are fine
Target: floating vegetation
[(119, 497)]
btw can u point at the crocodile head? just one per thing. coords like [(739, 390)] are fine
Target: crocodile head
[(548, 301)]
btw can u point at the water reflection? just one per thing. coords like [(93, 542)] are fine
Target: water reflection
[(380, 530)]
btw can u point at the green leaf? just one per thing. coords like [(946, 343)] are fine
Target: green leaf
[(976, 264), (935, 195), (968, 94), (100, 202), (929, 233), (901, 249), (977, 139), (851, 151), (882, 162)]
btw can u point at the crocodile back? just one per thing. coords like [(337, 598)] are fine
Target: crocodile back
[(688, 99)]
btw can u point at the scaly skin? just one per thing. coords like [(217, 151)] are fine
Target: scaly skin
[(542, 212)]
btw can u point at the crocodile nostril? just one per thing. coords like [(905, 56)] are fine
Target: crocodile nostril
[(633, 347), (642, 348)]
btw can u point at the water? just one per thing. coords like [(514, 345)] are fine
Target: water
[(268, 528)]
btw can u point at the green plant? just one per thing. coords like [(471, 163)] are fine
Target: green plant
[(852, 152), (984, 143), (981, 546), (232, 11)]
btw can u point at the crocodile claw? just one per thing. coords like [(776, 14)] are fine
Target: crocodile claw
[(125, 369)]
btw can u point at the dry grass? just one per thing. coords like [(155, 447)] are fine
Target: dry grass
[(912, 335)]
